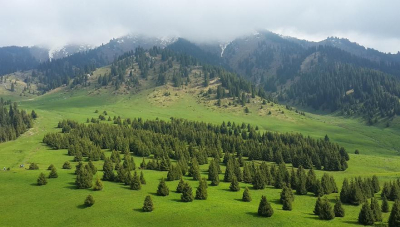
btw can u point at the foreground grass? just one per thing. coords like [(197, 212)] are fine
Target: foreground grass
[(59, 203)]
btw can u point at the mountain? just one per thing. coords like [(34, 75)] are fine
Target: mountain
[(15, 58)]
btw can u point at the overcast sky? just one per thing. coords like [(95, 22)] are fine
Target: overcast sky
[(373, 23)]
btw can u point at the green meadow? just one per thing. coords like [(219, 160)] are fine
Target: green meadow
[(59, 203)]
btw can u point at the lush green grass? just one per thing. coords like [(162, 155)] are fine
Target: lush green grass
[(59, 203)]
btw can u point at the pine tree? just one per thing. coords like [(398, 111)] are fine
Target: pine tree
[(246, 195), (344, 193), (229, 171), (66, 165), (148, 204), (135, 183), (163, 189), (89, 201), (108, 170), (53, 173), (264, 208), (98, 186), (258, 180), (201, 192), (187, 193), (142, 180), (41, 179), (376, 210), (84, 178), (375, 184), (319, 191), (385, 205), (366, 216), (50, 167), (194, 170), (247, 174), (394, 218), (92, 167), (180, 186), (325, 211), (318, 206), (234, 185), (338, 209), (301, 188), (286, 198)]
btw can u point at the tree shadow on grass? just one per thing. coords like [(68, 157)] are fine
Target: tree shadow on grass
[(276, 201), (177, 200), (315, 217), (140, 210), (82, 206), (352, 222), (254, 214), (155, 194)]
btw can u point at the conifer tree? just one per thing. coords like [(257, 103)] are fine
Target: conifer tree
[(247, 174), (376, 210), (142, 180), (108, 170), (366, 216), (194, 170), (92, 167), (246, 195), (229, 171), (301, 181), (319, 191), (394, 218), (41, 179), (50, 167), (187, 193), (148, 204), (286, 198), (238, 171), (135, 183), (89, 201), (344, 193), (53, 173), (293, 179), (201, 192), (375, 184), (264, 208), (394, 192), (234, 185), (84, 178), (385, 205), (66, 165), (143, 164), (311, 180), (338, 209), (163, 189), (180, 186), (258, 180), (213, 175), (318, 205), (98, 186), (325, 211)]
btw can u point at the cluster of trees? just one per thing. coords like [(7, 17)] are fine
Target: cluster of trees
[(359, 190), (391, 190), (13, 121), (182, 140), (349, 89)]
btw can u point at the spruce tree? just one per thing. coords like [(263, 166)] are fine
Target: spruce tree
[(258, 180), (286, 198), (301, 188), (311, 180), (92, 167), (344, 193), (366, 217), (385, 205), (89, 201), (50, 167), (142, 180), (376, 210), (84, 178), (229, 171), (148, 204), (234, 185), (187, 193), (338, 209), (135, 183), (318, 205), (194, 170), (394, 218), (246, 195), (66, 165), (180, 186), (98, 186), (41, 179), (325, 211), (375, 184), (264, 208), (247, 174), (201, 192), (318, 190), (108, 170), (163, 189), (53, 173)]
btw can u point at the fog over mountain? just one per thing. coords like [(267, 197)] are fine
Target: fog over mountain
[(53, 24)]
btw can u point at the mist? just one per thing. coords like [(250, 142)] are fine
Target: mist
[(56, 23)]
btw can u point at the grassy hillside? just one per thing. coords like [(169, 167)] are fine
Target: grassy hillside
[(59, 203)]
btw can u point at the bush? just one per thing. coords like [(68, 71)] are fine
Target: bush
[(53, 173), (42, 179), (148, 204), (246, 195), (66, 165), (33, 166), (98, 186), (89, 201)]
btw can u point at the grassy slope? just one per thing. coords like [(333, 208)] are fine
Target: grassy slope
[(58, 203)]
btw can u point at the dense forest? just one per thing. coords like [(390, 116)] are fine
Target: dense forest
[(13, 121), (181, 139), (16, 58)]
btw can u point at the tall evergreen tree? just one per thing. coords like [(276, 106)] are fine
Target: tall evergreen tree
[(318, 205), (234, 186), (163, 189), (301, 188), (142, 180), (180, 186), (385, 205), (98, 186), (258, 180), (135, 183), (376, 210), (194, 170), (326, 212), (344, 193), (394, 218), (338, 209), (108, 170), (201, 192), (264, 208), (311, 180), (84, 178), (53, 173), (187, 193), (246, 195), (229, 171), (375, 184), (366, 217), (148, 204), (286, 198)]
